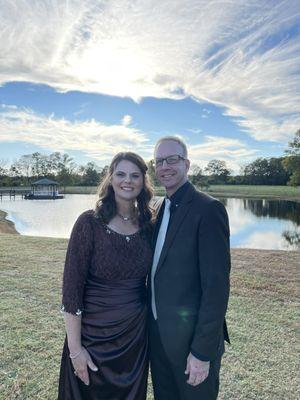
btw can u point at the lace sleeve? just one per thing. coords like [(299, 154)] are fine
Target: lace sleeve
[(77, 264)]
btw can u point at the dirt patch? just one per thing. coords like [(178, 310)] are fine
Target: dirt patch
[(7, 226)]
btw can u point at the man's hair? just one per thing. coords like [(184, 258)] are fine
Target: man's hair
[(173, 139)]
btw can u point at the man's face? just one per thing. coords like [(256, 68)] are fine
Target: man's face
[(171, 176)]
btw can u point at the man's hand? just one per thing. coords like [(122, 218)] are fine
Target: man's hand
[(197, 370)]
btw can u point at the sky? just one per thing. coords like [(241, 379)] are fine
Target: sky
[(91, 78)]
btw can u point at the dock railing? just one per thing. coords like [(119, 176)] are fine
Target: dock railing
[(13, 193)]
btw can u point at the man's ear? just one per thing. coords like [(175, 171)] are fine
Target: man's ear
[(187, 164)]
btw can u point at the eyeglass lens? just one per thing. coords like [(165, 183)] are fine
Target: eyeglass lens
[(169, 160)]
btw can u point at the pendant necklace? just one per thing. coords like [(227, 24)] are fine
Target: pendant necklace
[(124, 218)]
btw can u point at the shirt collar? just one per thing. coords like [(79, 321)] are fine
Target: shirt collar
[(177, 197)]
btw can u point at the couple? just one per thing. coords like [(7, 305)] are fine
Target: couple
[(111, 251)]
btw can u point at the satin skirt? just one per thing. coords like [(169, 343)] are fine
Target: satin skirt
[(115, 334)]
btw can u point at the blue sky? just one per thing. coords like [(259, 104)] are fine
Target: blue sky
[(91, 78)]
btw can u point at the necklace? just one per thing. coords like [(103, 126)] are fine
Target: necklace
[(123, 217)]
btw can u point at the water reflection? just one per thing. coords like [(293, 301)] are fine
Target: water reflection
[(280, 209), (53, 218), (268, 240), (293, 238), (239, 218), (262, 224)]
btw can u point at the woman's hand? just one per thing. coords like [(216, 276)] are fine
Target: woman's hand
[(81, 364)]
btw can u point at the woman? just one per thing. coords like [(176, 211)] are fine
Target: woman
[(104, 300)]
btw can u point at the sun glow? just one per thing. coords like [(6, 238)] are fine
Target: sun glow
[(110, 68)]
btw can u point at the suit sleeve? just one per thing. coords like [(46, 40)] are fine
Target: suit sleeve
[(214, 268)]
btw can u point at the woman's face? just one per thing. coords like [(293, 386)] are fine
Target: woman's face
[(127, 181)]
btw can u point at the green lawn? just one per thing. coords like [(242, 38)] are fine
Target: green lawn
[(253, 191), (259, 191), (260, 363)]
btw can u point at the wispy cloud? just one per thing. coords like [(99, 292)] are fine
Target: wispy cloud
[(81, 109), (205, 113), (194, 130), (101, 141), (94, 139), (243, 56), (233, 151)]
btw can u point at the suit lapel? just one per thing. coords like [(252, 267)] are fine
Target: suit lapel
[(176, 223)]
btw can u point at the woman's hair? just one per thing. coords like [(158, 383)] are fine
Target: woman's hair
[(106, 207)]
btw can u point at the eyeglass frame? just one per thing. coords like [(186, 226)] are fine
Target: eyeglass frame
[(161, 160)]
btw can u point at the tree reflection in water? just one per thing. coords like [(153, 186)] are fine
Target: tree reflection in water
[(293, 238), (280, 209)]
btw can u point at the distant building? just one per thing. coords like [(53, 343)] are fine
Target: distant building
[(44, 189)]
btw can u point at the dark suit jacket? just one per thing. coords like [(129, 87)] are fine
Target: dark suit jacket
[(192, 279)]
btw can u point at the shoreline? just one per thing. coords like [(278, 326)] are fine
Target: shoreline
[(7, 226)]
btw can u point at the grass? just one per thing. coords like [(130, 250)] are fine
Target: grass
[(252, 191), (259, 191), (260, 363)]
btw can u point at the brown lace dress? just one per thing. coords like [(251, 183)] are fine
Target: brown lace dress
[(104, 280)]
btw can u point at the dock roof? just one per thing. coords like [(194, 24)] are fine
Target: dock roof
[(44, 181)]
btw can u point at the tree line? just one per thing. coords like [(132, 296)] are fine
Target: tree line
[(61, 167)]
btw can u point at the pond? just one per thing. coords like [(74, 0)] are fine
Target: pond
[(261, 224)]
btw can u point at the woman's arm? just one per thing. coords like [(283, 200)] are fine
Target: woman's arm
[(80, 357), (73, 329), (77, 264)]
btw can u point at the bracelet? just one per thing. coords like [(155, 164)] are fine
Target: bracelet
[(72, 356)]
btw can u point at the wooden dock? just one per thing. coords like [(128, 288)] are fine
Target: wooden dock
[(13, 193)]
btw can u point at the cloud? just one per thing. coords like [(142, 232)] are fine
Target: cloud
[(81, 110), (94, 139), (205, 113), (194, 130), (8, 107), (101, 141), (243, 56), (234, 152), (126, 120)]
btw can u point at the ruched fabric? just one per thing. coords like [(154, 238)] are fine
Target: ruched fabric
[(115, 334)]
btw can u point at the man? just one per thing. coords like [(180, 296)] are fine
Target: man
[(189, 283)]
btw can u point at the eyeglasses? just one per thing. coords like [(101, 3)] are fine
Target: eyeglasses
[(170, 160)]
